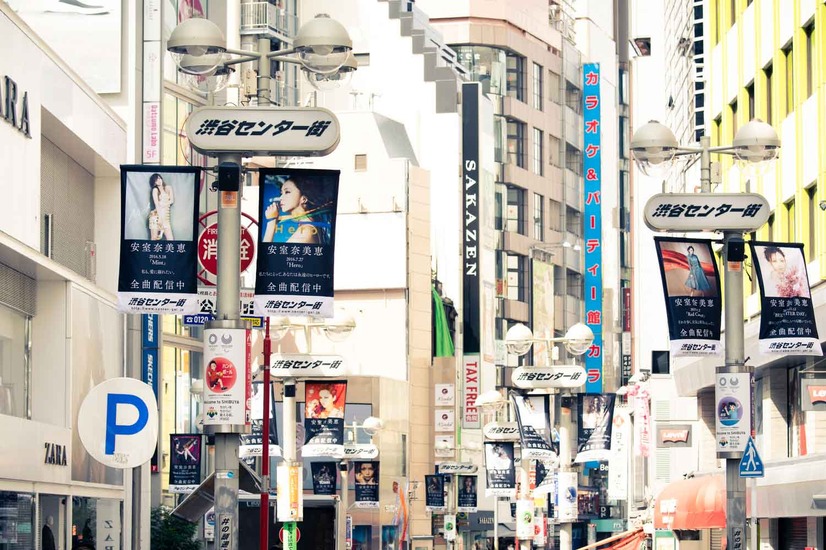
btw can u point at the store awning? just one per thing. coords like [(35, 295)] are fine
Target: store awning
[(627, 540), (695, 503)]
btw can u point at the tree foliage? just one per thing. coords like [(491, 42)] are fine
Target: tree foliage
[(172, 533)]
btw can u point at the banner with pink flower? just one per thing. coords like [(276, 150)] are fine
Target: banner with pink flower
[(787, 318)]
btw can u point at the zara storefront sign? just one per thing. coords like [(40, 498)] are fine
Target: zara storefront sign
[(14, 106), (263, 131), (118, 423), (706, 211)]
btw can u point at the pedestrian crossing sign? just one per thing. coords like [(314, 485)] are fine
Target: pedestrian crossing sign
[(751, 465)]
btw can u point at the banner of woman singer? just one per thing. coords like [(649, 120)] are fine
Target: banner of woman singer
[(366, 475), (158, 251), (324, 418), (595, 420), (184, 463), (324, 477), (534, 425), (787, 316), (434, 493), (252, 444), (296, 242), (467, 496), (500, 470), (691, 284)]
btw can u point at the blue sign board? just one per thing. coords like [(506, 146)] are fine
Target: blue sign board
[(751, 465), (150, 327)]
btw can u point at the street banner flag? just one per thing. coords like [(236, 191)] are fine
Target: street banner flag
[(184, 463), (596, 419), (693, 300), (366, 474), (534, 425), (500, 470), (252, 444), (324, 418), (434, 496), (324, 478), (787, 318), (467, 497), (158, 252), (296, 242)]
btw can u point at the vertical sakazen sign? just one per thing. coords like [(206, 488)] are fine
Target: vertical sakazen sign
[(592, 232), (471, 310), (787, 319), (296, 242), (158, 253)]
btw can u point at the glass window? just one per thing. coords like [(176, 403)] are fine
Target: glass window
[(573, 97), (767, 73), (15, 374), (538, 97), (574, 283), (750, 95), (516, 143), (573, 159), (17, 530), (517, 277), (538, 157), (788, 54), (810, 57), (516, 76), (734, 124), (555, 215), (790, 233), (485, 65), (812, 203), (553, 150), (95, 519), (516, 211), (573, 221), (553, 86), (538, 217)]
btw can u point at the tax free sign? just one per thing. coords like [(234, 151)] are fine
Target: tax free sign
[(118, 423)]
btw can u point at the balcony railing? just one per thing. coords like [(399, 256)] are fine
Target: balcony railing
[(266, 18)]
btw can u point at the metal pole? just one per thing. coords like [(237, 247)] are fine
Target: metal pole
[(343, 505), (264, 520), (565, 532), (496, 523), (289, 429)]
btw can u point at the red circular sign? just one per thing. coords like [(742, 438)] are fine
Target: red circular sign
[(297, 534), (221, 375), (208, 249)]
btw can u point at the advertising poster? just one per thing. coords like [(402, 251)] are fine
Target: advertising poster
[(500, 470), (185, 463), (693, 301), (619, 464), (252, 444), (158, 252), (227, 381), (444, 395), (467, 496), (450, 527), (595, 413), (324, 418), (566, 503), (787, 318), (324, 477), (732, 393), (445, 420), (434, 493), (366, 474), (524, 519), (534, 425), (544, 477), (296, 242)]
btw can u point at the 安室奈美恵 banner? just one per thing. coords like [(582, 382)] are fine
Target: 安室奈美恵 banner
[(366, 476), (296, 242), (500, 469), (466, 499), (158, 252), (691, 284), (534, 425), (434, 493), (184, 463), (324, 477), (787, 316), (324, 404), (596, 419)]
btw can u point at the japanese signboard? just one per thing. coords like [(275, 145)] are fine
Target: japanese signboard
[(706, 211), (289, 483), (366, 475), (158, 257), (467, 494), (207, 305), (732, 393), (444, 420), (324, 418), (500, 470), (787, 319), (434, 495), (263, 131), (691, 284), (471, 310), (362, 451), (324, 477), (557, 376), (184, 463), (595, 413), (470, 390), (296, 242), (566, 496), (444, 395), (619, 461), (501, 431), (227, 381), (457, 468), (295, 365), (592, 217), (252, 444), (534, 425)]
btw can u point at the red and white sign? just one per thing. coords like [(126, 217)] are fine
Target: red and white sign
[(227, 381), (208, 246), (470, 391)]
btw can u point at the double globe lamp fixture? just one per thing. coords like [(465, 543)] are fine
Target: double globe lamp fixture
[(322, 47)]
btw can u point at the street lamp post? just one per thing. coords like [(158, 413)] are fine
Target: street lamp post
[(755, 143), (198, 46), (577, 340)]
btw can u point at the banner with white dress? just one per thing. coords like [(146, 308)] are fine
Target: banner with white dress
[(596, 419), (324, 418), (693, 300), (534, 425), (500, 469), (296, 242), (787, 316), (158, 249)]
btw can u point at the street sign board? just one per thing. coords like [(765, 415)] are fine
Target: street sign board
[(302, 365), (457, 468), (706, 212), (751, 465), (360, 451), (251, 131), (557, 376), (501, 431)]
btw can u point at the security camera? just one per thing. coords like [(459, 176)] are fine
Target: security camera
[(822, 205)]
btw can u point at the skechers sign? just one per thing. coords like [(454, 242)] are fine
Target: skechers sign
[(560, 376), (118, 423)]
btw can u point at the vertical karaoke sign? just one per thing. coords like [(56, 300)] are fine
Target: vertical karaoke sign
[(592, 233)]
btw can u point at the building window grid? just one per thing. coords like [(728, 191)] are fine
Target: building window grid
[(790, 233), (516, 277), (538, 156), (538, 217), (788, 55), (516, 143), (768, 72), (812, 208), (538, 97), (809, 34), (516, 76), (515, 213)]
